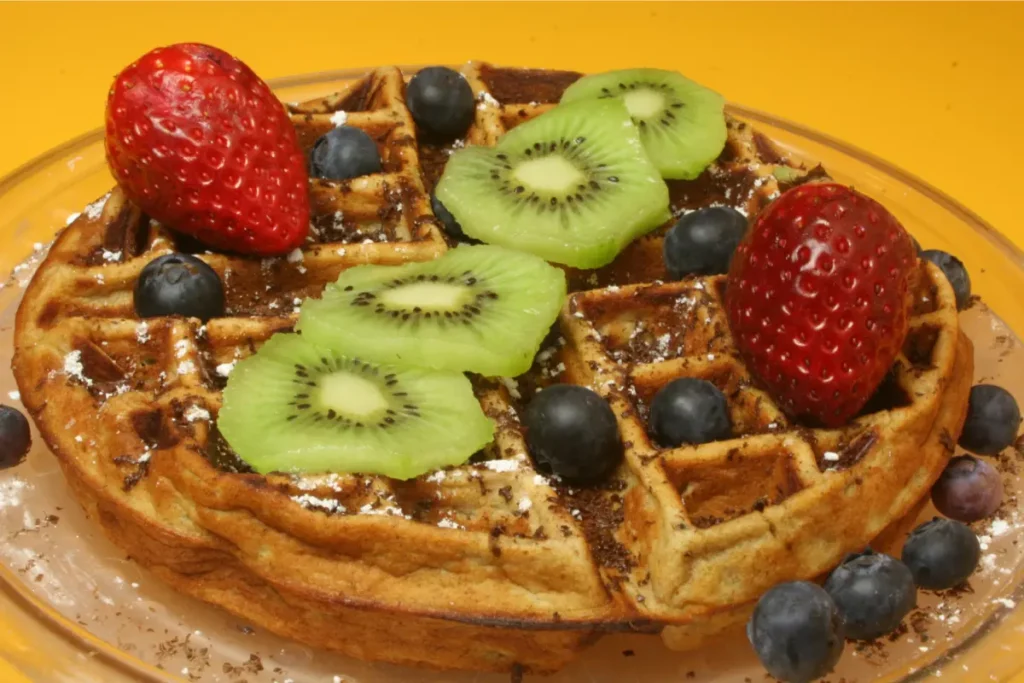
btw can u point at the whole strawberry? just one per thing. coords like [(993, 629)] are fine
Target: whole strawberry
[(817, 299), (199, 142)]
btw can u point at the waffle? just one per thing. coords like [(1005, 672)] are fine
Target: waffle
[(489, 566)]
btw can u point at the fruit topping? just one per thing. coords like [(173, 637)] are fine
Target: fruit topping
[(480, 309), (681, 123), (572, 186), (689, 411), (344, 152), (797, 632), (201, 144), (955, 272), (873, 593), (296, 407), (941, 554), (448, 222), (968, 490), (571, 431), (15, 437), (817, 299), (702, 242), (179, 284), (441, 103), (993, 419)]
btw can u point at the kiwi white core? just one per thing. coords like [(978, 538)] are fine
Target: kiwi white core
[(351, 395), (440, 296), (551, 173), (644, 103)]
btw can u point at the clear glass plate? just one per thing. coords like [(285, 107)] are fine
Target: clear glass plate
[(76, 609)]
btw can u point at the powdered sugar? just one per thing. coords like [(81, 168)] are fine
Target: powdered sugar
[(186, 367), (512, 386), (224, 369), (486, 100), (142, 332), (339, 118), (73, 367), (446, 523), (195, 413), (296, 256), (95, 210), (525, 504), (501, 465), (437, 477), (313, 502)]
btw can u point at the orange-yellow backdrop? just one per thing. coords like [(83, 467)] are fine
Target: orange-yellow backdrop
[(934, 88)]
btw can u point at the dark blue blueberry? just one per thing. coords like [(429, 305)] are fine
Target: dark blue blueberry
[(872, 593), (344, 152), (968, 490), (451, 226), (15, 437), (703, 242), (572, 432), (941, 554), (179, 284), (797, 632), (441, 102), (993, 419), (689, 410), (955, 273)]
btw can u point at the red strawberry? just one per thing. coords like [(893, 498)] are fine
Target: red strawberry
[(199, 142), (817, 299)]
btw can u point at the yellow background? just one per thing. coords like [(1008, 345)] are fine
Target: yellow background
[(934, 88)]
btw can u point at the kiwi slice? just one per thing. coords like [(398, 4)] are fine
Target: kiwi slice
[(296, 407), (572, 186), (482, 309), (681, 123)]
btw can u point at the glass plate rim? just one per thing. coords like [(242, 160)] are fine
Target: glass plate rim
[(125, 663)]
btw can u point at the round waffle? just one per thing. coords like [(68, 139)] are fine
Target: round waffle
[(488, 566)]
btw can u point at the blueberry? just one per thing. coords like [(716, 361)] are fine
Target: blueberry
[(941, 554), (689, 410), (441, 102), (872, 593), (702, 242), (797, 632), (451, 226), (993, 419), (344, 152), (572, 432), (15, 438), (955, 273), (968, 490), (179, 284)]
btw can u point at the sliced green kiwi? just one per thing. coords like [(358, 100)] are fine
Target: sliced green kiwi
[(296, 407), (482, 309), (572, 186), (681, 123)]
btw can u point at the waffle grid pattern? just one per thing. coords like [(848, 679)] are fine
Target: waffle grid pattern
[(491, 553)]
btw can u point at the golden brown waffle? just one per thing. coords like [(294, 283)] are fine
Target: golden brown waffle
[(491, 565)]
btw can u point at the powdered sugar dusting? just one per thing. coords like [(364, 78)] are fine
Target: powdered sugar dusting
[(195, 413), (95, 210), (73, 367), (313, 502), (224, 369), (142, 332)]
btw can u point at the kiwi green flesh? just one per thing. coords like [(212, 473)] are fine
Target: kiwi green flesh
[(481, 309), (681, 123), (295, 407), (572, 186)]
